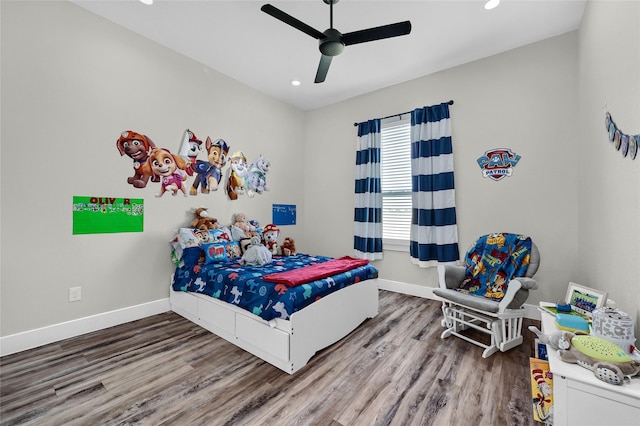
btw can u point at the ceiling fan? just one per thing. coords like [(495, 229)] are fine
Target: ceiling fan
[(332, 41)]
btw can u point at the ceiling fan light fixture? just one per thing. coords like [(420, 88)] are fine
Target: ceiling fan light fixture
[(295, 82), (491, 4), (147, 2), (331, 44), (331, 48)]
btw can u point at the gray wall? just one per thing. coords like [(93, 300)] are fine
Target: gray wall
[(71, 82), (609, 185), (525, 100)]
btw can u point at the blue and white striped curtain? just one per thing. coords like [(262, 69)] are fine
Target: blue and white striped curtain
[(367, 239), (434, 233)]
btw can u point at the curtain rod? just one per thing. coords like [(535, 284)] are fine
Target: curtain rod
[(402, 113)]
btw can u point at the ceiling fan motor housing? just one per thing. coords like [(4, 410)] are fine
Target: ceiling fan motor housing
[(332, 44)]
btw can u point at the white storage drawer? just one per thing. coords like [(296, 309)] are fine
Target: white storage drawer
[(273, 341), (221, 318)]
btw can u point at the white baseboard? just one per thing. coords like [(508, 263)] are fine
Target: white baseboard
[(42, 336), (531, 311), (406, 288)]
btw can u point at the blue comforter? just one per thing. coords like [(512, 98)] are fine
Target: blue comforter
[(244, 287)]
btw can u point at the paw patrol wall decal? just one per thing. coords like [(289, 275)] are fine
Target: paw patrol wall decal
[(256, 182), (189, 150), (138, 148), (209, 173), (238, 173), (498, 163), (169, 168), (172, 171)]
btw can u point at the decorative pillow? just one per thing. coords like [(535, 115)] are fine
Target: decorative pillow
[(233, 250), (215, 252), (222, 251), (493, 261), (219, 235), (189, 237), (191, 256)]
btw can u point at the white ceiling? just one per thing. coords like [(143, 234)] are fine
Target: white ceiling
[(237, 39)]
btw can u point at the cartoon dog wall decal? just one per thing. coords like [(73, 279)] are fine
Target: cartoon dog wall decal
[(169, 168), (256, 181), (138, 148), (237, 175), (189, 150), (209, 173)]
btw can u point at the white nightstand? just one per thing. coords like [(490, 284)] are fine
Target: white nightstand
[(579, 398)]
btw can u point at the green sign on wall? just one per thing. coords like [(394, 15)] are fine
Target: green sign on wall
[(103, 215)]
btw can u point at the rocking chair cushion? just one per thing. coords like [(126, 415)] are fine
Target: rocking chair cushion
[(483, 303), (474, 302)]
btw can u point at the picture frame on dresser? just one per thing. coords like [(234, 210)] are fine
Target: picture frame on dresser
[(584, 299)]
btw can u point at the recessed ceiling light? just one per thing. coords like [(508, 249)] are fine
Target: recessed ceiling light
[(295, 82), (147, 2), (491, 4)]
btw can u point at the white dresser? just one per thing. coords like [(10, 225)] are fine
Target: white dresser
[(580, 399)]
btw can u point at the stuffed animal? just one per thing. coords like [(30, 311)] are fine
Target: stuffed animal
[(256, 254), (138, 147), (240, 220), (608, 361), (202, 219), (209, 173), (270, 237), (237, 175), (288, 247), (169, 168)]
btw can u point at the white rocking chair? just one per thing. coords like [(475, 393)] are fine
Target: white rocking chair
[(501, 320)]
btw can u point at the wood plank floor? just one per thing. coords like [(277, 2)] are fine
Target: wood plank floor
[(163, 370)]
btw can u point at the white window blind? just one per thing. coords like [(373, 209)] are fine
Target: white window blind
[(396, 184)]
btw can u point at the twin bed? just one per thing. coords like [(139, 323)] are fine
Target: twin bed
[(262, 310)]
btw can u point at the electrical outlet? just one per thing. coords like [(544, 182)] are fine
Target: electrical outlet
[(75, 294)]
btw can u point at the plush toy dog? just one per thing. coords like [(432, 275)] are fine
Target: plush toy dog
[(608, 361), (237, 176), (209, 173), (270, 237), (203, 221), (170, 169), (288, 247), (138, 148)]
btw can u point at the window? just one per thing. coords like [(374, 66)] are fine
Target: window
[(395, 170)]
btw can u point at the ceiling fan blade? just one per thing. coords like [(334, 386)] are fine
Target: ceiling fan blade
[(288, 19), (377, 33), (323, 68)]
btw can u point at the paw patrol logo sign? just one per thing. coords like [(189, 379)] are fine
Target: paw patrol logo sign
[(498, 163)]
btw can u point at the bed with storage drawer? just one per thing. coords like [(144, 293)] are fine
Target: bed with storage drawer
[(280, 319)]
